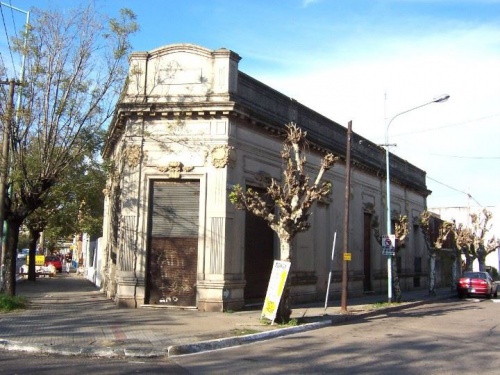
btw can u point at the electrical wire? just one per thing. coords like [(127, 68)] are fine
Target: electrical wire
[(427, 130), (13, 19), (8, 40), (455, 189), (467, 157)]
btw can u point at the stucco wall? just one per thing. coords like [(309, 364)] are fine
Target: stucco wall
[(188, 113)]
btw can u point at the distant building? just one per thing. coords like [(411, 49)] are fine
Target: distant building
[(189, 126)]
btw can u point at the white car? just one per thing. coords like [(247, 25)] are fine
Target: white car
[(23, 254)]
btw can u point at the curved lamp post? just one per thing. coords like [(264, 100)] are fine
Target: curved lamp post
[(388, 186)]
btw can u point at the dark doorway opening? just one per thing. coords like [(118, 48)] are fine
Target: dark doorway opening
[(259, 257)]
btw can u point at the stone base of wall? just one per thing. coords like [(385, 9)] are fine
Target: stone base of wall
[(130, 290), (220, 295)]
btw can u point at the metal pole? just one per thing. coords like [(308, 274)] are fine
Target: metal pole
[(388, 227), (388, 187), (5, 144), (4, 172), (330, 272), (343, 304), (25, 45)]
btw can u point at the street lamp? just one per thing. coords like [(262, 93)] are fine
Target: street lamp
[(388, 186)]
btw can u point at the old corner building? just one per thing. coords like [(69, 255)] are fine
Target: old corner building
[(188, 126)]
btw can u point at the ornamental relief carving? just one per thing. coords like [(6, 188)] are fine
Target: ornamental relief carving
[(132, 155), (220, 155), (174, 169)]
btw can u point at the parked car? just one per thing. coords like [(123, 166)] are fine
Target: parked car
[(23, 254), (476, 283), (55, 261)]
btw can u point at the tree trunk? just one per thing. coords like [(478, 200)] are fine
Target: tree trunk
[(468, 260), (396, 287), (455, 270), (34, 236), (481, 258), (12, 237), (285, 305), (432, 274)]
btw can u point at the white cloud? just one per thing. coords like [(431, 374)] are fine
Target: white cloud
[(463, 63)]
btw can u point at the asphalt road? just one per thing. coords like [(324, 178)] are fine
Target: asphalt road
[(453, 337), (450, 337)]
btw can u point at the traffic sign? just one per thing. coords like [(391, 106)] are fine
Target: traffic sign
[(388, 244), (347, 256)]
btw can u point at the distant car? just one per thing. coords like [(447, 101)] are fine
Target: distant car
[(55, 261), (23, 254), (476, 283)]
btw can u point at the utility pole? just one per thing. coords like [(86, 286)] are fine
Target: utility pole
[(7, 123), (346, 254)]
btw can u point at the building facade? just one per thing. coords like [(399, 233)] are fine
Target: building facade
[(189, 125)]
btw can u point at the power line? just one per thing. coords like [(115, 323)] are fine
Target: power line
[(455, 189), (8, 40), (13, 18), (417, 131), (466, 157)]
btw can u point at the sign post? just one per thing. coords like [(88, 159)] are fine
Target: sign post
[(388, 248)]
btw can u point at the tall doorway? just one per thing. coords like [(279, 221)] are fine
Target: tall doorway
[(173, 243), (259, 256)]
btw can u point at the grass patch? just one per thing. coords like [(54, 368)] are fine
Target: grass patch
[(292, 323), (243, 332), (8, 303), (379, 305)]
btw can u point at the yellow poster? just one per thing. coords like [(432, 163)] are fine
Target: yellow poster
[(275, 289), (39, 260)]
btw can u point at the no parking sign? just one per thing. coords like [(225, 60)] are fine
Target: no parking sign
[(388, 244)]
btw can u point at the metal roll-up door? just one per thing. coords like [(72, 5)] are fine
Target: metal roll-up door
[(173, 250)]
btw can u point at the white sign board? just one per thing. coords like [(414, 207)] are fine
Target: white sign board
[(388, 244), (275, 289)]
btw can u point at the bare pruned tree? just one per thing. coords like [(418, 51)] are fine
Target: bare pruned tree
[(287, 209)]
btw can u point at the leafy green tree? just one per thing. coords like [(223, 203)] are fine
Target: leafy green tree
[(72, 207), (286, 207), (76, 65)]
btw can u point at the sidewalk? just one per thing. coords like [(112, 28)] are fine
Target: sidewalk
[(67, 315)]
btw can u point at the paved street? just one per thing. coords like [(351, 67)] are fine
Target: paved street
[(450, 337), (69, 317)]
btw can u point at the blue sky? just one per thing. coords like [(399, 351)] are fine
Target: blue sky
[(365, 61)]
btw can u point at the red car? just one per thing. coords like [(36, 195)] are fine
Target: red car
[(55, 261), (477, 283)]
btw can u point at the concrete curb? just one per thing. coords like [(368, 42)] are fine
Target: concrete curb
[(171, 351), (178, 350), (105, 352)]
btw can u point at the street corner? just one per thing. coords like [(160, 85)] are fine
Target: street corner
[(222, 343)]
